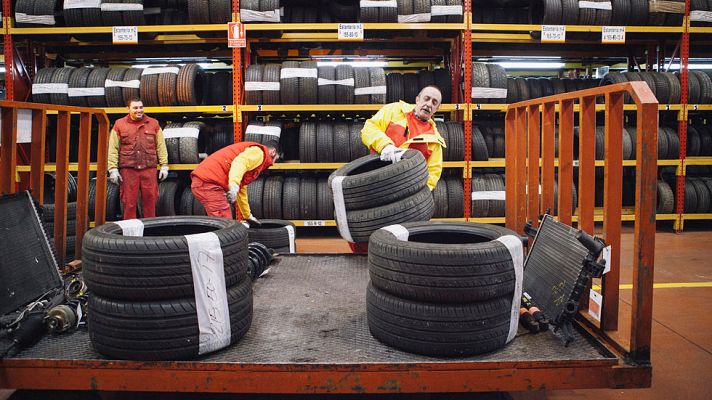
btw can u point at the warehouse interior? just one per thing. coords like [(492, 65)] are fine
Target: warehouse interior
[(312, 76)]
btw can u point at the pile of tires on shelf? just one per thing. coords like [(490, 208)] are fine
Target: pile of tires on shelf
[(443, 289), (178, 85), (487, 141), (47, 212), (697, 193), (328, 141), (191, 141), (615, 13), (145, 288), (521, 89), (666, 85), (406, 86), (700, 12), (291, 196), (699, 140), (411, 11), (294, 82), (449, 197)]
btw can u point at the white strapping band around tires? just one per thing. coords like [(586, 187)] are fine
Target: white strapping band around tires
[(259, 86), (340, 208), (489, 195), (370, 90), (445, 10), (596, 5), (181, 132), (516, 250), (160, 70), (292, 239), (413, 18), (286, 73), (666, 6), (121, 7), (264, 130), (206, 263), (489, 93), (133, 84), (72, 4), (399, 231), (259, 16), (698, 15), (34, 19), (378, 4), (83, 92), (342, 82), (131, 227), (45, 88)]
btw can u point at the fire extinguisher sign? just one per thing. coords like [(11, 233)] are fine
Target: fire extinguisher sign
[(236, 35)]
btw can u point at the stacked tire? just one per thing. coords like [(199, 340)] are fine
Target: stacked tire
[(440, 289), (699, 140), (489, 83), (328, 141), (370, 194), (666, 86), (276, 234), (143, 303), (521, 89), (70, 224), (449, 197)]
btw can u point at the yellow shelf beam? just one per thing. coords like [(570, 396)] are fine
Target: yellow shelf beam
[(226, 109), (108, 29), (574, 28), (366, 26), (698, 161), (599, 107), (329, 107), (696, 216)]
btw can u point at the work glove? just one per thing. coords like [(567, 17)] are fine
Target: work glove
[(253, 221), (114, 176), (163, 173), (391, 153), (232, 193)]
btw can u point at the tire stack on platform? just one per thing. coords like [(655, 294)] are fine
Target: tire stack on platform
[(441, 289), (276, 234), (143, 303)]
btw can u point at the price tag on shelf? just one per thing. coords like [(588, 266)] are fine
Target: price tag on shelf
[(124, 34), (595, 302), (236, 35), (350, 32), (613, 34), (314, 223), (553, 33)]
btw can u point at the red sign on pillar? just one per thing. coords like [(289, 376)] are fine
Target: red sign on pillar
[(236, 35)]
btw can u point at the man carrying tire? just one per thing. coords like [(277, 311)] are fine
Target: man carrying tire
[(222, 178), (136, 146)]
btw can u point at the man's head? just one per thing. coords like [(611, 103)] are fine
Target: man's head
[(273, 148), (427, 102), (135, 107)]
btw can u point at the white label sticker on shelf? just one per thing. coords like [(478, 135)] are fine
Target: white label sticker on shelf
[(342, 82), (606, 5), (122, 7), (413, 18), (446, 10), (553, 33), (263, 130), (83, 92), (370, 90), (314, 223), (34, 19), (180, 132), (595, 301), (698, 15), (44, 88), (71, 4), (124, 34), (134, 84), (286, 73), (259, 16), (378, 4), (258, 86), (489, 93), (160, 70), (613, 34), (489, 195), (350, 32)]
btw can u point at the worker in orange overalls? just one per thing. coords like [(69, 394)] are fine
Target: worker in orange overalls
[(136, 146), (400, 126), (222, 178)]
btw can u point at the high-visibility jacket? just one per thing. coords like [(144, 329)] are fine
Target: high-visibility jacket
[(137, 144), (390, 126)]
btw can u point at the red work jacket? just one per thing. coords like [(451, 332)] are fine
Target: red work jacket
[(138, 142), (216, 168)]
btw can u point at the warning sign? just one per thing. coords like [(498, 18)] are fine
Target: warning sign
[(236, 35)]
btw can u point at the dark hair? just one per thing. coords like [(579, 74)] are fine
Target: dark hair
[(133, 100), (273, 144)]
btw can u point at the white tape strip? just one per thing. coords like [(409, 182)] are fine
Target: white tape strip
[(413, 18), (131, 227), (340, 208), (259, 16), (285, 73), (44, 88), (71, 4), (697, 15), (181, 132), (516, 250), (292, 239), (489, 195), (446, 10), (259, 86), (379, 4), (206, 262), (121, 7), (342, 82), (82, 92), (160, 70), (34, 19), (264, 130), (134, 84), (399, 231), (592, 4), (489, 93), (24, 126), (370, 90)]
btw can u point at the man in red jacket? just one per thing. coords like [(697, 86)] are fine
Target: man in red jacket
[(222, 178), (136, 146)]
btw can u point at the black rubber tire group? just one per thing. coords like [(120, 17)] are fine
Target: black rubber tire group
[(302, 196), (521, 89), (274, 234), (317, 141), (445, 291)]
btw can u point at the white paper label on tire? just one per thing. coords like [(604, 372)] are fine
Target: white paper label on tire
[(340, 208), (342, 82), (160, 70), (414, 18), (446, 10), (71, 4), (34, 19), (489, 93), (45, 88), (489, 195), (399, 231), (698, 15), (181, 132), (83, 92), (292, 239), (259, 16), (131, 227), (264, 130), (592, 4), (121, 7), (206, 262), (286, 73), (134, 84), (370, 90), (378, 4), (259, 86), (516, 250)]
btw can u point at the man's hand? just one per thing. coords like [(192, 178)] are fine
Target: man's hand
[(392, 153), (114, 176), (163, 173), (232, 193), (253, 221)]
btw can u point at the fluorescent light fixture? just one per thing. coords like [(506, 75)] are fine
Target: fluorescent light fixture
[(692, 66), (355, 64), (526, 65)]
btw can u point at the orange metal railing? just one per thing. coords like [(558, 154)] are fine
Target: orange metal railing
[(8, 163), (530, 130)]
